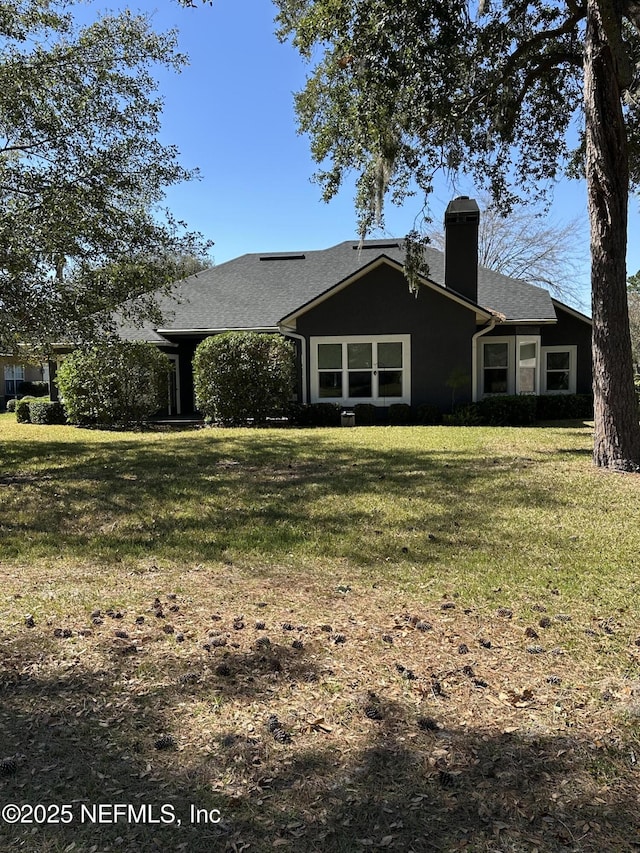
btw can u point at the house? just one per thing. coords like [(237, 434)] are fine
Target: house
[(19, 377), (361, 336)]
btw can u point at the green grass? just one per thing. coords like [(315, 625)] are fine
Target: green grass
[(365, 530)]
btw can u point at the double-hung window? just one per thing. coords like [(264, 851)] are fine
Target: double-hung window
[(361, 369), (509, 365), (13, 376), (559, 370)]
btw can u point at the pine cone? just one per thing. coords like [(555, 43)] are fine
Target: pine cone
[(373, 712), (297, 644), (8, 766), (281, 736), (427, 724), (165, 742), (273, 723)]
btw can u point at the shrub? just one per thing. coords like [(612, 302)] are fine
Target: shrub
[(466, 414), (33, 389), (46, 412), (23, 415), (315, 414), (114, 382), (551, 407), (11, 404), (400, 414), (508, 410), (240, 376), (366, 414), (428, 415)]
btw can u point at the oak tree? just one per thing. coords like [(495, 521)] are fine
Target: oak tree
[(83, 173), (511, 92)]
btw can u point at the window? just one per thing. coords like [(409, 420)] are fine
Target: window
[(528, 370), (361, 370), (559, 370), (496, 367), (509, 365), (13, 376)]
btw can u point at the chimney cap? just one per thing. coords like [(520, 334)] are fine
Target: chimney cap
[(462, 209)]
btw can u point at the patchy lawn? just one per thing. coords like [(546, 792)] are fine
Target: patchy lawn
[(407, 639)]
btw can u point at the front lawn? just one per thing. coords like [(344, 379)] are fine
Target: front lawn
[(442, 620)]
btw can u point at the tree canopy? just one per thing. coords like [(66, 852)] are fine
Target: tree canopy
[(82, 173), (512, 93)]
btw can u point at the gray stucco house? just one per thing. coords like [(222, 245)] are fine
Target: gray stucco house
[(362, 336)]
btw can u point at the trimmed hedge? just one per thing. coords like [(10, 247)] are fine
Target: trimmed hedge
[(242, 376), (35, 388), (46, 412), (466, 414), (113, 382), (550, 407), (23, 414), (366, 414), (508, 410), (400, 414), (315, 414), (427, 414)]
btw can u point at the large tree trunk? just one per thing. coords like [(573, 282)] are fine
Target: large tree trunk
[(617, 431)]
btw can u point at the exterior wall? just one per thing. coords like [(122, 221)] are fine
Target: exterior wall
[(379, 304), (571, 330), (32, 373)]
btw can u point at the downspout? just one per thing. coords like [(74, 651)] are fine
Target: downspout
[(474, 356), (303, 357)]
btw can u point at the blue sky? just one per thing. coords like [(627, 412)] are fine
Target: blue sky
[(230, 113)]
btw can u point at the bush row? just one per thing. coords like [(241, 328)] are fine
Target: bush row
[(522, 410), (38, 411)]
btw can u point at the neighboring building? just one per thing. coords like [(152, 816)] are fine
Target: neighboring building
[(362, 336), (16, 378)]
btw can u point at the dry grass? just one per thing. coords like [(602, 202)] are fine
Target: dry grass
[(398, 576)]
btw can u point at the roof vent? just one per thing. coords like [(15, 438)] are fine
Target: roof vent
[(394, 245), (287, 257)]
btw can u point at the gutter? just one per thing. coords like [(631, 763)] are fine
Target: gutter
[(303, 357)]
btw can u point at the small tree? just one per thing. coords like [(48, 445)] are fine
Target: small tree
[(243, 375), (114, 382)]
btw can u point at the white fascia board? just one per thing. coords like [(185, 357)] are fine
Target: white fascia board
[(573, 311), (533, 320), (360, 273)]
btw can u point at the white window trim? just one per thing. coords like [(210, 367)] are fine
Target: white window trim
[(405, 340), (511, 342), (527, 339), (572, 349)]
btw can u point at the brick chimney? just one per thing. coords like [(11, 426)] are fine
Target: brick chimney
[(461, 220)]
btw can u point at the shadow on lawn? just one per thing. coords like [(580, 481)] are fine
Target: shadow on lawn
[(86, 740), (197, 497)]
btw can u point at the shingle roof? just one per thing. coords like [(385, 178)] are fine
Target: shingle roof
[(256, 291)]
